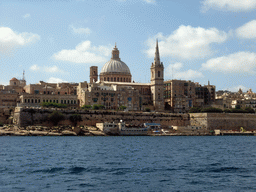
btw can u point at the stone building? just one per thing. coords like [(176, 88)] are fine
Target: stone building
[(34, 100), (62, 93), (8, 99), (181, 95), (239, 99), (115, 88)]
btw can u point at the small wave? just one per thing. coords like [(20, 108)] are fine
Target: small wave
[(86, 185), (51, 170), (76, 170), (227, 169)]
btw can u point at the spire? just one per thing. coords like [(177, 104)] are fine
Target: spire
[(115, 53), (157, 57)]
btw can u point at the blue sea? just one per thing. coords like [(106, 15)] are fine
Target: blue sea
[(224, 163)]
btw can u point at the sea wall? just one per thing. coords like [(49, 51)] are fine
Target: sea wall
[(29, 116), (224, 121)]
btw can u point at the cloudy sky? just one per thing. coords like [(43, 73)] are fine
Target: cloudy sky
[(58, 40)]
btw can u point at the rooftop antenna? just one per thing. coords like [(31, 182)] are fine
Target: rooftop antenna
[(23, 78)]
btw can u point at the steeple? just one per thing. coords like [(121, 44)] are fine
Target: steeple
[(157, 56), (115, 54)]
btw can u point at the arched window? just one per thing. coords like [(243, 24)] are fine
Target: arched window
[(159, 73), (117, 79), (124, 79), (114, 79), (121, 79), (111, 78), (108, 78), (104, 78)]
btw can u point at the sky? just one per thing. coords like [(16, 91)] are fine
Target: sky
[(58, 40)]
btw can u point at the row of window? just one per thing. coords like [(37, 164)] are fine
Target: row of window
[(51, 101), (117, 79)]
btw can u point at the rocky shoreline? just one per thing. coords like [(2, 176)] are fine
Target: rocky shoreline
[(13, 130)]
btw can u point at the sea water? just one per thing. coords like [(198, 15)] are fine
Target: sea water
[(224, 163)]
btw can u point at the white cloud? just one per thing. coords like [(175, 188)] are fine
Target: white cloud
[(53, 69), (240, 62), (236, 88), (48, 69), (4, 83), (84, 53), (174, 71), (26, 16), (35, 68), (187, 42), (149, 1), (247, 31), (55, 80), (86, 31), (229, 5), (10, 40)]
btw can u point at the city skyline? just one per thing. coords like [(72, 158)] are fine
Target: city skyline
[(57, 41)]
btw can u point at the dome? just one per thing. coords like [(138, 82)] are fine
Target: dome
[(115, 66), (14, 79)]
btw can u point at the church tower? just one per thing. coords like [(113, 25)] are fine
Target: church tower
[(93, 74), (157, 81)]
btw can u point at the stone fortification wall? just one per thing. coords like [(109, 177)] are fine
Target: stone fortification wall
[(29, 116), (224, 121)]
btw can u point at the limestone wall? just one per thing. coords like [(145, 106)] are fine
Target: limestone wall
[(226, 121), (29, 116)]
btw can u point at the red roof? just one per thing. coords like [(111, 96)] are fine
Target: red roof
[(14, 79)]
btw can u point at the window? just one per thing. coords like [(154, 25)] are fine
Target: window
[(25, 101), (159, 73), (74, 101)]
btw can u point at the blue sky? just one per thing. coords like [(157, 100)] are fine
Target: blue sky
[(202, 40)]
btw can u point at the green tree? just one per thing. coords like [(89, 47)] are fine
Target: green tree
[(211, 110), (147, 109), (195, 110), (227, 111), (122, 107), (75, 118), (249, 110), (55, 117), (86, 107), (95, 107)]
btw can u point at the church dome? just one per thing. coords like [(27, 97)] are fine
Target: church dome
[(115, 66), (115, 70)]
